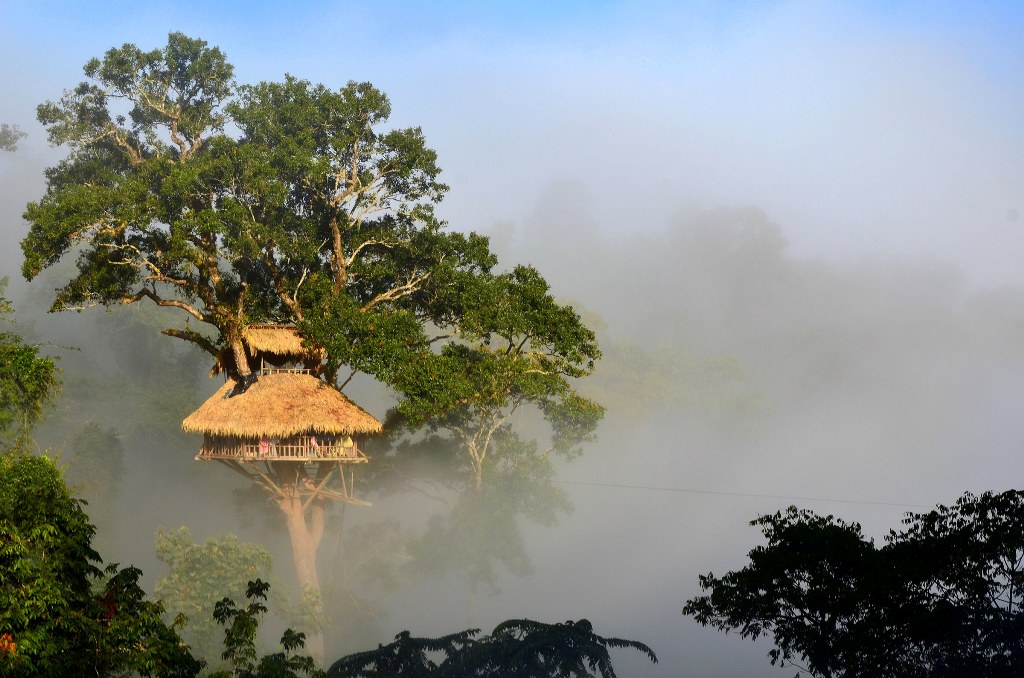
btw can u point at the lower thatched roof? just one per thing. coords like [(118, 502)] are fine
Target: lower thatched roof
[(280, 405)]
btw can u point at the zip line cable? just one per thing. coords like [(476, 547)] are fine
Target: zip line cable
[(681, 490)]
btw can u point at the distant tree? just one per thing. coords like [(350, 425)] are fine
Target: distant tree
[(9, 137), (511, 350), (60, 615), (940, 598), (367, 571), (200, 575), (517, 647), (640, 381), (97, 455)]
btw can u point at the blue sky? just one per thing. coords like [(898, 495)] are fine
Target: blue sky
[(871, 129)]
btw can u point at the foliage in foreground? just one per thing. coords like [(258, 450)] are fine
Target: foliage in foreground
[(60, 615), (28, 381), (517, 647), (942, 597), (240, 626)]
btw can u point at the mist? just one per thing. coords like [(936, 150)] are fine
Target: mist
[(796, 228)]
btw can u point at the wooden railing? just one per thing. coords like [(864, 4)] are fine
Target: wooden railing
[(283, 370), (294, 448)]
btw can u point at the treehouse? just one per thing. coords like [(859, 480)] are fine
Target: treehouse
[(284, 427)]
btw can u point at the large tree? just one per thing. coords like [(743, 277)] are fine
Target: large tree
[(292, 202), (308, 199), (310, 211), (942, 597)]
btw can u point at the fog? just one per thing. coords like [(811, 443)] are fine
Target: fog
[(796, 227)]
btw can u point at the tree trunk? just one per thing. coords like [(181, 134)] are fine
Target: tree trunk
[(241, 359), (305, 541), (478, 470), (304, 547)]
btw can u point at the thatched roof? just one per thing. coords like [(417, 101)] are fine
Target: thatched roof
[(280, 405), (280, 340)]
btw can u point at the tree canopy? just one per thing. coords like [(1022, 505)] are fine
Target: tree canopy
[(309, 198), (942, 597), (290, 202)]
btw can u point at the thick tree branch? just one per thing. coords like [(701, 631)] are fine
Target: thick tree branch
[(395, 293), (194, 337), (160, 301)]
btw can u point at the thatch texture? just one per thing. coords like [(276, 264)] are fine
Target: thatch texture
[(280, 340), (280, 405)]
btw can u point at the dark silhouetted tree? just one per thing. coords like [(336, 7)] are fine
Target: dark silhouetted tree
[(942, 597), (516, 648)]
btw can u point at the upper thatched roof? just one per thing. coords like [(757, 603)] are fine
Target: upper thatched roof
[(280, 340), (279, 405)]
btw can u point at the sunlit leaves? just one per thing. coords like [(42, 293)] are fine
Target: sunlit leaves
[(309, 197), (515, 346), (314, 211), (377, 341), (181, 86)]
